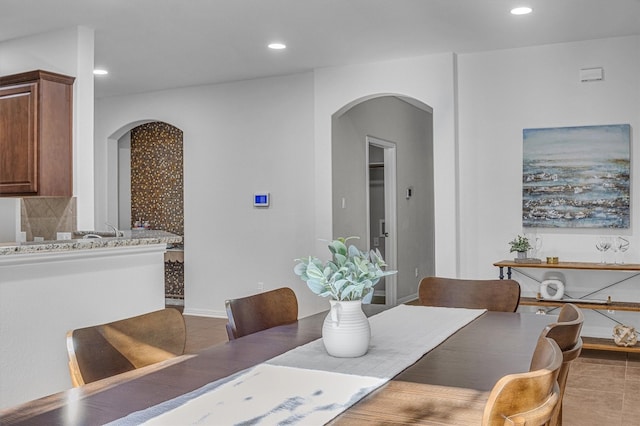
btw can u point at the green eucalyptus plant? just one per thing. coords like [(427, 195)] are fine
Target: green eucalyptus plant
[(520, 244), (349, 275)]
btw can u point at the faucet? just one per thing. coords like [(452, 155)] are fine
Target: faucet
[(116, 232)]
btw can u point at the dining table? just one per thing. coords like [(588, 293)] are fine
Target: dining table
[(449, 385)]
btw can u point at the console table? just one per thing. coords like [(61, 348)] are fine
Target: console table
[(581, 302)]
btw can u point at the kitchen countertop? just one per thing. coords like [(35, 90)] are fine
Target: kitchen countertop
[(132, 238)]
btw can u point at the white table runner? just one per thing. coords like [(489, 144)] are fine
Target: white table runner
[(306, 385), (273, 395), (399, 337)]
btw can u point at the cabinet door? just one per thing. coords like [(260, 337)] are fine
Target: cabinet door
[(18, 139)]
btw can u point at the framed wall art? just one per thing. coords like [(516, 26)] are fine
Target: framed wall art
[(576, 177)]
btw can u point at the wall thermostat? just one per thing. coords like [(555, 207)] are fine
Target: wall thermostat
[(261, 199)]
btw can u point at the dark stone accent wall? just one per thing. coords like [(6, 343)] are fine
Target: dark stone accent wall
[(174, 280), (157, 194), (157, 177)]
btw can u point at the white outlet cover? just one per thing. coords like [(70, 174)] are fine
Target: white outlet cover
[(591, 74)]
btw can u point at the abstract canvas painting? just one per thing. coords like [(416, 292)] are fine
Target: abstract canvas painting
[(576, 177)]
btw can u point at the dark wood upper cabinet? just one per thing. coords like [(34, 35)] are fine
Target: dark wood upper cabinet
[(36, 114)]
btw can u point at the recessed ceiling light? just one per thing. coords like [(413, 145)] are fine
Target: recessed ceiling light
[(277, 46), (100, 72), (521, 10)]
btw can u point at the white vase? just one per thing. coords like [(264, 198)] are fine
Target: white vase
[(346, 331)]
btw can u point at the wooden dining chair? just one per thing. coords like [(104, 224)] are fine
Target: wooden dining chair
[(493, 295), (108, 349), (261, 311), (566, 333), (566, 330), (527, 398)]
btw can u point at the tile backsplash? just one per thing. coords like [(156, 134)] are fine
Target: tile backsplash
[(46, 216)]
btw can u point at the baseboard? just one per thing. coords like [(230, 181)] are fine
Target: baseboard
[(223, 314), (170, 301), (409, 298), (205, 313)]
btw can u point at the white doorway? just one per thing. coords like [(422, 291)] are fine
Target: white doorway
[(382, 211)]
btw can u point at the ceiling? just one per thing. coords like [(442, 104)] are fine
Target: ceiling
[(150, 45)]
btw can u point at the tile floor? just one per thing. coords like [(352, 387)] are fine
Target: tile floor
[(603, 388)]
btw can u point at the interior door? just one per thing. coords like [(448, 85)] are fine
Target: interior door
[(381, 205)]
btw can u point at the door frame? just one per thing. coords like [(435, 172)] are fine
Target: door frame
[(391, 211)]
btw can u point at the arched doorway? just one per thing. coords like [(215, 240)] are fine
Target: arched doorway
[(150, 191), (408, 126)]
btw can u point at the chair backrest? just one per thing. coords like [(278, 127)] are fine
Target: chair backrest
[(493, 295), (566, 330), (261, 311), (566, 333), (108, 349), (527, 398)]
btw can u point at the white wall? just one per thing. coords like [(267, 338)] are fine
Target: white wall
[(124, 183), (239, 138), (503, 92), (69, 52), (274, 135)]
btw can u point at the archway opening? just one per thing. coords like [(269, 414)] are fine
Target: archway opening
[(408, 126), (148, 190)]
